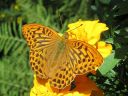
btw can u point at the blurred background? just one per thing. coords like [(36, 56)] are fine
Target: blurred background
[(15, 73)]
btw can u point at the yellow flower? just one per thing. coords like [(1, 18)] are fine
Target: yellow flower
[(104, 49), (90, 32), (85, 87)]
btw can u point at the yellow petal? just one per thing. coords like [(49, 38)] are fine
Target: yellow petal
[(76, 30), (88, 31), (40, 89), (94, 30), (104, 49), (84, 87)]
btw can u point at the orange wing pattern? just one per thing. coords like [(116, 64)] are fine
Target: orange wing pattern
[(79, 58), (58, 59), (84, 57), (40, 39)]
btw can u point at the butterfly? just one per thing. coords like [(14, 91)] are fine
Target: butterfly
[(58, 58)]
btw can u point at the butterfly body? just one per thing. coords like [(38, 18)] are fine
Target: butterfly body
[(57, 58), (54, 58)]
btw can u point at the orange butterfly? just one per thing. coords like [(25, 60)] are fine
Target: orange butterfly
[(57, 58)]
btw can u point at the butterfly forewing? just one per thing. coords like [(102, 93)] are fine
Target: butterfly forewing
[(39, 36), (83, 57)]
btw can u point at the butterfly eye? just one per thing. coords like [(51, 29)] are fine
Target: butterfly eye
[(66, 35)]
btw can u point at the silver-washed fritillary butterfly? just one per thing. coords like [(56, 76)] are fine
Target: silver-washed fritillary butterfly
[(57, 58)]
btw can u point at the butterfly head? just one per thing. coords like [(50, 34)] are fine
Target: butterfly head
[(66, 35)]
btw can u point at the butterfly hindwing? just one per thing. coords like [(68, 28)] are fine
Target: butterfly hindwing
[(64, 74), (38, 62)]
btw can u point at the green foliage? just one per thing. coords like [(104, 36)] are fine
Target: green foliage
[(107, 66), (15, 74)]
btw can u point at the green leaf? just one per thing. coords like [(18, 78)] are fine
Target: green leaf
[(10, 37), (109, 63)]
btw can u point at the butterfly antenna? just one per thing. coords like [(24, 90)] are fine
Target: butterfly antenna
[(75, 28), (60, 17)]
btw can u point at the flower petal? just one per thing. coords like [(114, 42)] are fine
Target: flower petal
[(84, 87), (88, 31), (104, 49)]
